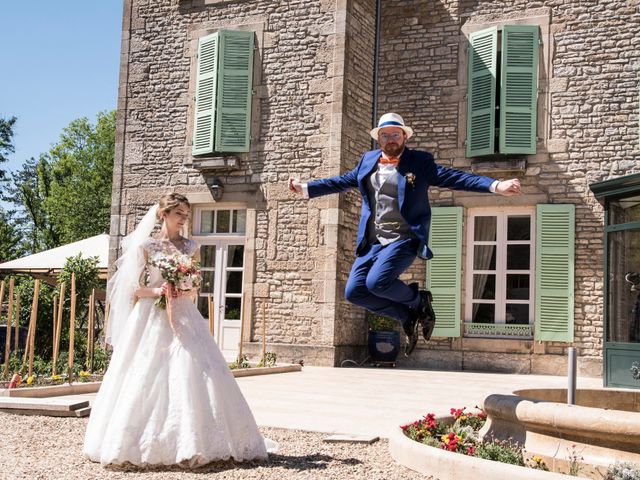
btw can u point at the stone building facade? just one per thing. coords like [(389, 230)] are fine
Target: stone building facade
[(322, 69)]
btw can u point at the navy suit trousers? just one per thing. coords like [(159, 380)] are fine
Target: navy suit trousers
[(373, 282)]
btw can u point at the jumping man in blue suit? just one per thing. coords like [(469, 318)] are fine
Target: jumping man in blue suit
[(394, 223)]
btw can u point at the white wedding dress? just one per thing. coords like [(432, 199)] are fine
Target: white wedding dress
[(169, 398)]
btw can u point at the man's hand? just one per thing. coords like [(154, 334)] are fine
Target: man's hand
[(509, 188), (295, 185)]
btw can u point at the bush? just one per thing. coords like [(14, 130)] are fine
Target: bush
[(622, 471), (381, 323)]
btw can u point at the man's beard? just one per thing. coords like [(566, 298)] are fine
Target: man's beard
[(393, 149)]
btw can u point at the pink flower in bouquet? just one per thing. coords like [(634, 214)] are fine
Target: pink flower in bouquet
[(179, 270)]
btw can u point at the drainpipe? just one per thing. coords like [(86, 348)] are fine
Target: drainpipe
[(376, 53)]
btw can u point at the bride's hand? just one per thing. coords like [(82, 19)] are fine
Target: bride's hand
[(167, 289)]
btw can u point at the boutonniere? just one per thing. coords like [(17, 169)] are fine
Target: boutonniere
[(410, 178)]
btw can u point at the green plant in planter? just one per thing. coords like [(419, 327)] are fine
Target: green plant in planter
[(381, 323)]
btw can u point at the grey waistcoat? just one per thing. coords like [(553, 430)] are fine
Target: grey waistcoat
[(386, 224)]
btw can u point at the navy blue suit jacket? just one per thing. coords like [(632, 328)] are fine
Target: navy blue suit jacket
[(412, 196)]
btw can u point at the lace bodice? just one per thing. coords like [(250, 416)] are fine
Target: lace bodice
[(157, 247)]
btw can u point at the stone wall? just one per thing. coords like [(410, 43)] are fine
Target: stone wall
[(308, 72), (312, 110), (588, 130)]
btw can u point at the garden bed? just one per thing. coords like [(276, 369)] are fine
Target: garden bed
[(449, 448)]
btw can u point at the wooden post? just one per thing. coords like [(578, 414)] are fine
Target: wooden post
[(72, 326), (242, 301), (2, 285), (16, 330), (107, 311), (211, 314), (54, 326), (32, 325), (264, 333), (56, 340), (7, 347), (90, 330)]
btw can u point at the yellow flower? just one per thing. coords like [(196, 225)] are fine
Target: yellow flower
[(445, 439), (463, 417), (537, 459), (29, 380), (83, 373), (56, 377)]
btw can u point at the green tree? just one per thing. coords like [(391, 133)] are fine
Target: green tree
[(65, 195), (10, 244), (6, 140), (79, 202), (27, 192)]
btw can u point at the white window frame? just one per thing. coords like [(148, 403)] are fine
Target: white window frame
[(499, 328), (197, 218)]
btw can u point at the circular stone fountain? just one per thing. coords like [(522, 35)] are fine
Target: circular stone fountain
[(602, 428)]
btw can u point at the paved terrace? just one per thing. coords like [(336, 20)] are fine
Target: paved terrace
[(370, 401)]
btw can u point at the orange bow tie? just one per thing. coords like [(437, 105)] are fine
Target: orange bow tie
[(389, 160)]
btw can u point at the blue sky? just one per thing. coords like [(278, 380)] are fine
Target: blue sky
[(60, 61)]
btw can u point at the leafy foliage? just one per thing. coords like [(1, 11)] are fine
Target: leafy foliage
[(10, 241), (6, 140), (380, 322), (623, 471), (65, 195), (79, 201)]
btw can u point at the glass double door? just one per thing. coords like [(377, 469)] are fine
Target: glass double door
[(222, 264)]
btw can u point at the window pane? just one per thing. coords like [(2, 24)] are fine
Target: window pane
[(484, 286), (223, 221), (518, 257), (232, 308), (239, 221), (207, 281), (484, 313), (235, 255), (517, 287), (624, 210), (484, 257), (519, 228), (208, 256), (517, 314), (206, 221), (234, 282), (203, 306), (624, 287), (484, 229)]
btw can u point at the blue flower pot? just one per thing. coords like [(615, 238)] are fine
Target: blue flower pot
[(384, 346)]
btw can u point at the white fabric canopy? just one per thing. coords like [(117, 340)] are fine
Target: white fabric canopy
[(54, 259)]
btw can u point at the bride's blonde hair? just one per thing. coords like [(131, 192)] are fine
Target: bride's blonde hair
[(170, 201)]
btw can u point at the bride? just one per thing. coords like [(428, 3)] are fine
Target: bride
[(168, 396)]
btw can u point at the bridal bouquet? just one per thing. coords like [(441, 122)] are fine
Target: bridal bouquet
[(179, 270)]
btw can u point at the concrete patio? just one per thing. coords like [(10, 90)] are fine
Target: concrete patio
[(370, 401)]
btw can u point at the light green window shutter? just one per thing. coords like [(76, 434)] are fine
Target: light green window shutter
[(203, 130), (443, 270), (234, 91), (519, 89), (481, 94), (555, 239)]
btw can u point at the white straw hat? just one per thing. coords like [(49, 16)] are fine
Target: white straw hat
[(391, 120)]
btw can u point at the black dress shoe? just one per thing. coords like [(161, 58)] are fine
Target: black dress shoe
[(426, 313), (411, 330)]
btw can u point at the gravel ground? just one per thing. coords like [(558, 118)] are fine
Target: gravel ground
[(35, 447)]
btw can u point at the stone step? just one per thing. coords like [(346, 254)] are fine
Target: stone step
[(53, 406)]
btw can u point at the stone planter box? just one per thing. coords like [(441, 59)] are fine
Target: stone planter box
[(75, 388), (444, 465), (81, 388), (247, 372)]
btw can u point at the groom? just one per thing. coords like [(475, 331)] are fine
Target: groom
[(394, 224)]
